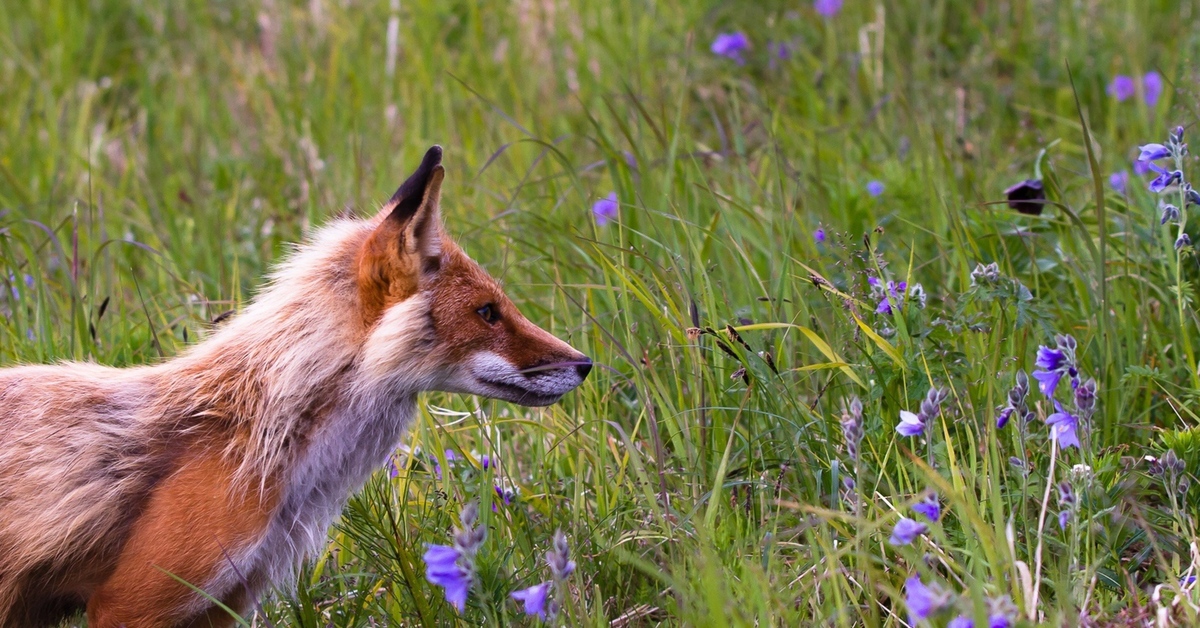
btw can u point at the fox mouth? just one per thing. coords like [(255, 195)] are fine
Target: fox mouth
[(517, 394)]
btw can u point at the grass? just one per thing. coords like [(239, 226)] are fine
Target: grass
[(157, 158)]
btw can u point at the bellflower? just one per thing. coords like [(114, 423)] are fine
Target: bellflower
[(1122, 87), (1152, 88), (910, 424), (1165, 179), (1063, 426), (731, 46), (452, 567), (1054, 363), (534, 599), (537, 599), (906, 531), (922, 601), (1152, 152), (929, 507), (605, 209), (442, 569)]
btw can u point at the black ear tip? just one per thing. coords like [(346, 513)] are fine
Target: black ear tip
[(433, 156)]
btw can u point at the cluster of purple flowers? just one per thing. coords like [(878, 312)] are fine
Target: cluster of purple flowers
[(1124, 87), (891, 295), (913, 424), (925, 601), (1016, 403), (1066, 504), (452, 567), (907, 530), (1174, 150), (852, 427), (537, 599)]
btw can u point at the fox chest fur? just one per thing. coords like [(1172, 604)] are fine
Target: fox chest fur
[(225, 466)]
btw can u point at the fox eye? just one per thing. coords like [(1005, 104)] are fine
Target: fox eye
[(489, 314)]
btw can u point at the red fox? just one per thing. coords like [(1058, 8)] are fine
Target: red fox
[(225, 466)]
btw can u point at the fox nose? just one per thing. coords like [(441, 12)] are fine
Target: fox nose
[(583, 367)]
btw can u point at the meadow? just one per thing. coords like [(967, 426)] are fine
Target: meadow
[(839, 378)]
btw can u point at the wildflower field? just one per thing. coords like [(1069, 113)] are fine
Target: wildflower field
[(892, 304)]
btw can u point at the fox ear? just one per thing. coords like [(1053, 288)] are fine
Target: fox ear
[(406, 242), (415, 209)]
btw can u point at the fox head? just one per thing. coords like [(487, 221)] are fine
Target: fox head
[(420, 295)]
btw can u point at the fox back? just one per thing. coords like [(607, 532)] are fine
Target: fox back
[(225, 466)]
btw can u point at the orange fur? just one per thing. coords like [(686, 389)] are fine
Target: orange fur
[(226, 465)]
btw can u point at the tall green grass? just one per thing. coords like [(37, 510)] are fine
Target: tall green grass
[(157, 158)]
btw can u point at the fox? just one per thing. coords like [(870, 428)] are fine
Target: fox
[(123, 490)]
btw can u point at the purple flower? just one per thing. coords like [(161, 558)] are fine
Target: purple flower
[(1122, 87), (780, 50), (921, 600), (1164, 179), (819, 235), (534, 599), (962, 621), (910, 424), (827, 8), (929, 507), (605, 209), (1119, 181), (1063, 426), (443, 570), (1054, 363), (875, 188), (1153, 152), (1140, 167), (1002, 418), (1064, 517), (730, 45), (1152, 87), (999, 620), (1051, 359), (906, 531), (485, 461)]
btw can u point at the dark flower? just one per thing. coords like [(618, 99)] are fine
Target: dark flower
[(906, 531), (605, 209), (1063, 426), (1026, 197), (1170, 213), (534, 599), (1122, 87), (731, 45), (1152, 87), (1182, 241)]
